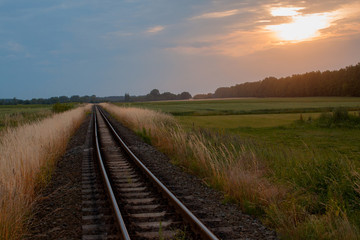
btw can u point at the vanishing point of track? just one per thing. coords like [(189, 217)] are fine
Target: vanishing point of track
[(122, 199)]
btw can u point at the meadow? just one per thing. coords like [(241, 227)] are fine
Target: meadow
[(269, 121), (248, 106), (15, 115), (298, 175)]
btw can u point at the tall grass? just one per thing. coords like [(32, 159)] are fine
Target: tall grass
[(27, 156), (311, 195)]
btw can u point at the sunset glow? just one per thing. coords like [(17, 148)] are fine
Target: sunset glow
[(175, 46), (285, 11), (302, 27)]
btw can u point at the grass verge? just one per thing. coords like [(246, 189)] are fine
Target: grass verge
[(307, 194), (27, 156)]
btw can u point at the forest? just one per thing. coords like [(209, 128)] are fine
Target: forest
[(343, 82), (155, 95), (62, 99)]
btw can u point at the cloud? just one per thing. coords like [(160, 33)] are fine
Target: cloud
[(14, 46), (234, 44), (216, 14), (14, 51), (267, 26), (314, 26), (155, 29)]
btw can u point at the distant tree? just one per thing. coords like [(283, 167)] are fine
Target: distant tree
[(85, 99), (14, 101), (185, 95), (53, 100), (93, 99), (63, 99), (155, 93), (127, 97), (75, 98)]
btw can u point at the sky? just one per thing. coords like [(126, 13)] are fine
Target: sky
[(113, 47)]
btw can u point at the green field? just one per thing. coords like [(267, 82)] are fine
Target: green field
[(244, 120), (250, 106), (271, 121), (282, 130), (14, 115)]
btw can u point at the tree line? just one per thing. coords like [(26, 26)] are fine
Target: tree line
[(63, 99), (343, 82), (154, 95)]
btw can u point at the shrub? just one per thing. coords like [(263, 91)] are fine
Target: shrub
[(62, 107), (340, 115)]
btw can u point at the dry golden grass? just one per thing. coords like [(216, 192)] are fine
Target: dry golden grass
[(27, 154)]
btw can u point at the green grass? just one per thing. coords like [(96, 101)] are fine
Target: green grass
[(237, 121), (317, 164), (14, 115), (271, 129), (8, 109), (249, 106), (343, 141)]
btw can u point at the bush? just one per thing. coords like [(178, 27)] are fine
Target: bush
[(340, 117), (62, 107)]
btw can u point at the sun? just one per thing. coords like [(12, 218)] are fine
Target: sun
[(302, 26)]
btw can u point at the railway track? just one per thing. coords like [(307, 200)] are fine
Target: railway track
[(122, 199)]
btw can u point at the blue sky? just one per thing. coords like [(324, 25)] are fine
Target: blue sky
[(108, 47)]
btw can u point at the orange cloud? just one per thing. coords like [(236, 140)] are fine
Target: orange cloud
[(155, 29), (216, 14), (282, 25), (233, 44)]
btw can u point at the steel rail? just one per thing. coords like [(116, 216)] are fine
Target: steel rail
[(204, 232), (120, 220)]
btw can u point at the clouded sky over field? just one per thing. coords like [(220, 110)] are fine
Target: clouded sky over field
[(113, 47)]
